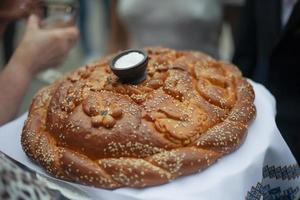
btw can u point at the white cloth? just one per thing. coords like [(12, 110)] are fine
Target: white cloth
[(238, 175)]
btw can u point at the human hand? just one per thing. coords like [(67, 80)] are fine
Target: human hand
[(43, 48)]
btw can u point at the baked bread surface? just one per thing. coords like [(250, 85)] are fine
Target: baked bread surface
[(91, 129)]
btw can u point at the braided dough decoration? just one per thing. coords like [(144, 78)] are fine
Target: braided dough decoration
[(91, 129)]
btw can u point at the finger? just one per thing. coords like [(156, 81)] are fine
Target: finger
[(72, 34), (69, 36), (33, 22), (69, 32)]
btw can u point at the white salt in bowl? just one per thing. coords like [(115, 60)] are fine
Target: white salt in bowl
[(130, 66)]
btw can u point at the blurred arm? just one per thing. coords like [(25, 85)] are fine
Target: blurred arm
[(14, 81), (39, 49)]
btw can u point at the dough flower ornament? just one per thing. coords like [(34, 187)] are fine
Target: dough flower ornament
[(101, 112)]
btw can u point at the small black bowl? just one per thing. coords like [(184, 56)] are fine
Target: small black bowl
[(133, 74)]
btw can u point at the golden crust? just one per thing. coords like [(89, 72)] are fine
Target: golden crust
[(91, 129)]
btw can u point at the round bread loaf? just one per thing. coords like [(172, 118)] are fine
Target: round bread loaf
[(91, 129)]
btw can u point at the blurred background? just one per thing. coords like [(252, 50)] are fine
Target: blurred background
[(107, 26)]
